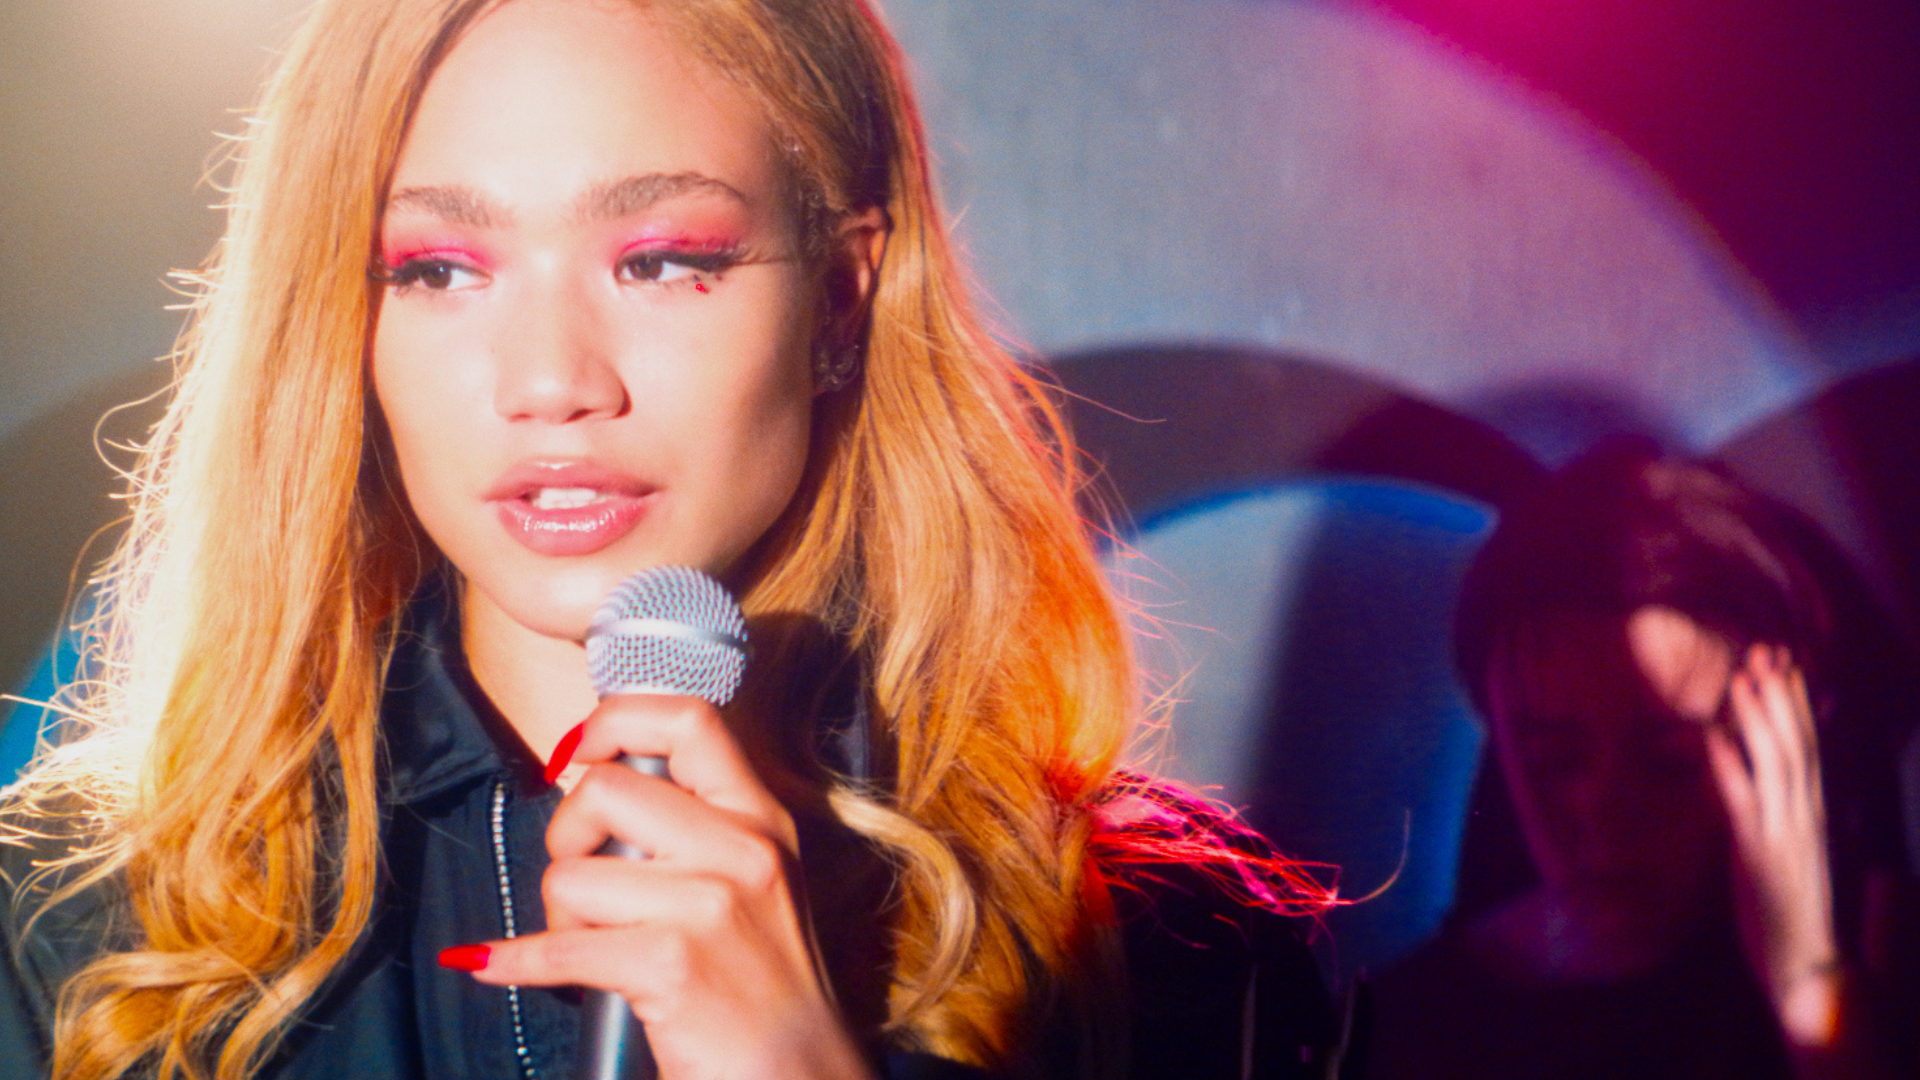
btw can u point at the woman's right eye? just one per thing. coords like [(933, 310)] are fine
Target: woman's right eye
[(436, 275)]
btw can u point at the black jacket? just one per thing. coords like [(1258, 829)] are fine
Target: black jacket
[(465, 817)]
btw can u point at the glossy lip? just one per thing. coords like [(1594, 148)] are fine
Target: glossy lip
[(580, 530)]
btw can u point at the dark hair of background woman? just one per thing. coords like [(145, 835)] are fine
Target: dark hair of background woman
[(1624, 528)]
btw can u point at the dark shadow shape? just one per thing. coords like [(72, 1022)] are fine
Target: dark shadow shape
[(1172, 423), (1559, 419), (1850, 459)]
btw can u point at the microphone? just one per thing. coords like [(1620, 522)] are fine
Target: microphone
[(665, 630)]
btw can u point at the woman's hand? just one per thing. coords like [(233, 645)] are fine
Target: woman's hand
[(705, 940), (1784, 897)]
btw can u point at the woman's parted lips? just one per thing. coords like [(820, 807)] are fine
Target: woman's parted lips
[(524, 482), (569, 508)]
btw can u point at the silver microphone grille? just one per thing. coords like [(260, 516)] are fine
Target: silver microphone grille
[(668, 630)]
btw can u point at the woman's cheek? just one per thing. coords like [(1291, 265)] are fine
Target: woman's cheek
[(432, 397), (758, 457), (736, 399)]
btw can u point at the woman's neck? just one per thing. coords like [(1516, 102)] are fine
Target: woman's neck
[(538, 683)]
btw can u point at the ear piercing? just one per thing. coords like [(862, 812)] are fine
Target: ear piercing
[(834, 366)]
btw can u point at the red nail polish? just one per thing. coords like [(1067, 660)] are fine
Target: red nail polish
[(465, 957), (563, 753)]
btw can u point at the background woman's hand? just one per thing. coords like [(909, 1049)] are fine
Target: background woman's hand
[(1783, 894), (705, 940)]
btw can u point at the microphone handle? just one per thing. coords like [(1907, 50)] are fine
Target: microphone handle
[(613, 1043)]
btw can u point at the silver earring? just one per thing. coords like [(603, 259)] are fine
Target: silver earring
[(834, 366)]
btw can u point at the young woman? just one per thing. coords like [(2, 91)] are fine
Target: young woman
[(1694, 715), (520, 296)]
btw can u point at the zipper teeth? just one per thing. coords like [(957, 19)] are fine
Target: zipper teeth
[(500, 866)]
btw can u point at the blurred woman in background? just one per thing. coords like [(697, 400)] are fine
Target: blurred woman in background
[(1695, 710)]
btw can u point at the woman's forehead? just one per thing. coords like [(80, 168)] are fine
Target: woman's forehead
[(574, 107)]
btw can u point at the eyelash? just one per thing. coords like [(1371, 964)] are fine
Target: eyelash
[(644, 267), (411, 273)]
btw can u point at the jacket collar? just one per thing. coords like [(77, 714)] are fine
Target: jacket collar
[(434, 737), (440, 732)]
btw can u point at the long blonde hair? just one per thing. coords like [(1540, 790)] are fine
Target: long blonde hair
[(253, 604)]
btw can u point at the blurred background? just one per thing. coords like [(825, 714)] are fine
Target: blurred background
[(1430, 246)]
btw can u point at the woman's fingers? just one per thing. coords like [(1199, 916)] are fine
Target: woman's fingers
[(705, 939), (720, 972), (714, 797), (658, 817), (644, 937), (713, 817), (1777, 818), (1766, 677), (1768, 702), (1787, 686), (701, 753), (668, 979), (562, 957), (1754, 720), (1731, 775), (590, 890)]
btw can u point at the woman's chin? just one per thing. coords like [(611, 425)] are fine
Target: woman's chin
[(554, 605)]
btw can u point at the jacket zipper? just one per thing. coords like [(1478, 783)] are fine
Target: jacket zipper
[(498, 819)]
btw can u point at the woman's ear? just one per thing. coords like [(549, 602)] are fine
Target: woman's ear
[(859, 247), (849, 278), (853, 268)]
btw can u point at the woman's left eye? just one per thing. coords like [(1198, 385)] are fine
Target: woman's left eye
[(432, 274), (669, 267)]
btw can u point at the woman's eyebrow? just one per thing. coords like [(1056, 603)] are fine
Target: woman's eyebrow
[(462, 206), (634, 194), (614, 199)]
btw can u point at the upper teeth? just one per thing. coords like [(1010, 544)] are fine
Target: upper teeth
[(565, 498)]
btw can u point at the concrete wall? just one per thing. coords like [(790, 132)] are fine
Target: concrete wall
[(1317, 177)]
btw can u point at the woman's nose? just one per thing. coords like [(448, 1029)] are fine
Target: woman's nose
[(557, 362)]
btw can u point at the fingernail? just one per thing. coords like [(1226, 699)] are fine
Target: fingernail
[(465, 957), (563, 754)]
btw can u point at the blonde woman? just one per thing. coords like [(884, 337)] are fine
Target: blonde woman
[(519, 296)]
